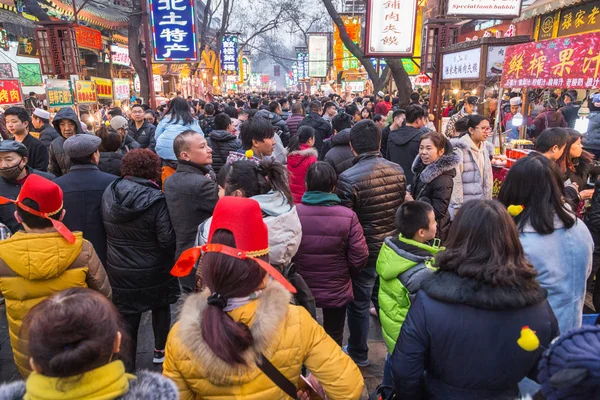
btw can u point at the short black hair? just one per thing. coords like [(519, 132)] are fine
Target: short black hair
[(273, 106), (412, 216), (414, 112), (255, 128), (378, 117), (209, 108), (320, 177), (329, 104), (222, 121), (397, 113), (551, 137), (472, 100), (365, 136), (283, 101), (33, 221), (180, 143), (414, 97), (341, 121), (116, 111), (351, 109), (386, 98), (231, 111), (19, 112), (315, 106), (32, 93), (134, 105)]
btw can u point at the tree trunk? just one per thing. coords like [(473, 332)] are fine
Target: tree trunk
[(401, 79), (135, 30)]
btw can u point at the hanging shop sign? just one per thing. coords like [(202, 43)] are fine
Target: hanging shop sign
[(121, 89), (156, 80), (461, 65), (342, 57), (495, 60), (422, 80), (103, 88), (85, 92), (353, 86), (229, 55), (27, 48), (120, 55), (10, 92), (59, 54), (173, 30), (59, 93), (6, 70), (580, 19), (571, 62), (295, 72), (245, 68), (302, 63), (318, 46), (390, 30), (30, 74), (497, 9), (88, 38)]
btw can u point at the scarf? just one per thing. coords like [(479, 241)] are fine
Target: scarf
[(103, 383)]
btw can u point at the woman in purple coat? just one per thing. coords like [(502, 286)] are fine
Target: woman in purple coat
[(333, 247)]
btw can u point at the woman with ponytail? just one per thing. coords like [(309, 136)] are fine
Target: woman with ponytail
[(242, 323), (301, 155), (74, 340)]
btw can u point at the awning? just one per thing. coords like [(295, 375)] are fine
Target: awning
[(541, 7)]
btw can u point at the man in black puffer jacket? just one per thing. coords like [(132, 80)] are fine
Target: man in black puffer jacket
[(318, 123), (374, 188), (141, 130), (222, 141), (336, 149), (66, 124)]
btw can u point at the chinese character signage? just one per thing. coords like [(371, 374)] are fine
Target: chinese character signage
[(59, 93), (580, 19), (499, 9), (173, 30), (495, 60), (10, 92), (88, 38), (229, 55), (121, 89), (342, 58), (461, 65), (390, 28), (86, 92), (302, 65), (103, 88), (571, 62), (294, 72), (120, 55), (27, 48), (317, 55), (30, 74)]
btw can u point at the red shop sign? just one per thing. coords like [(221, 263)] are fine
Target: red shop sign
[(569, 62), (10, 91), (88, 38)]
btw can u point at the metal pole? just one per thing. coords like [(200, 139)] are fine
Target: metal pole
[(149, 50)]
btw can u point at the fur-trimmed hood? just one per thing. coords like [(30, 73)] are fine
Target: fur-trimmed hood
[(445, 164), (306, 152), (264, 316), (147, 386), (451, 288)]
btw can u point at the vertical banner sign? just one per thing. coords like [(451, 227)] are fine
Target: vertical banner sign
[(302, 63), (10, 92), (317, 55), (59, 93), (246, 68), (173, 30), (229, 55), (343, 59), (104, 88), (391, 26), (121, 89), (86, 92), (294, 73)]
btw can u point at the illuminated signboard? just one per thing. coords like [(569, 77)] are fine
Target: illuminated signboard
[(229, 55), (173, 30)]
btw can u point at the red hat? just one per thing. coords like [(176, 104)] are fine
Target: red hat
[(49, 197), (243, 218)]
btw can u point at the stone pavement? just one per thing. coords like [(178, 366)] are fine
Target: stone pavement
[(373, 374)]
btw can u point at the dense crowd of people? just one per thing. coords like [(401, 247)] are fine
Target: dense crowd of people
[(253, 211)]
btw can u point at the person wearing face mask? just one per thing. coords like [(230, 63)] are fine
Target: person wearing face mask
[(403, 143), (435, 169), (474, 178), (66, 124), (14, 171), (470, 107)]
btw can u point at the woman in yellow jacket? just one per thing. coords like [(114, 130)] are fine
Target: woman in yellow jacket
[(216, 349)]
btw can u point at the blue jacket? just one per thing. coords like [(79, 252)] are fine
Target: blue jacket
[(83, 188), (459, 339), (165, 134), (563, 260)]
